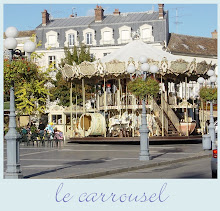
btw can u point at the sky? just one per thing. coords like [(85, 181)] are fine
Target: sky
[(192, 19)]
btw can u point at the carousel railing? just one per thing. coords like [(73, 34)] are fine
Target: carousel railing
[(159, 114), (171, 114)]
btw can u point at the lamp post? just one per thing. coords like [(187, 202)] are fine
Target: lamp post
[(211, 127), (144, 131), (13, 170)]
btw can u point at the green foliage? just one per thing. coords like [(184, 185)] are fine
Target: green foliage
[(61, 89), (141, 88), (208, 93), (77, 55), (29, 81)]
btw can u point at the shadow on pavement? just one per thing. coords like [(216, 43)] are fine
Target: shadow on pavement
[(69, 165)]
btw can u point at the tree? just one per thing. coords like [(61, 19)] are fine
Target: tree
[(208, 93), (141, 88), (29, 81), (61, 89)]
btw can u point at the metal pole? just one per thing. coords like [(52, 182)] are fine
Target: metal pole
[(202, 125), (133, 125), (126, 97), (144, 139), (187, 120), (162, 108), (76, 105), (83, 92), (13, 170), (211, 126), (71, 108), (105, 105)]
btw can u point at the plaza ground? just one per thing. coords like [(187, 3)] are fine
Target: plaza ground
[(92, 160)]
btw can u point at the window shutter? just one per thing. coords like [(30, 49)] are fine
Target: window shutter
[(125, 35)]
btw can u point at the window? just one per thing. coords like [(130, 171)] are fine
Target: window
[(52, 60), (92, 56), (107, 36), (146, 33), (105, 54), (57, 119), (89, 38), (68, 119), (51, 40), (71, 39), (125, 35)]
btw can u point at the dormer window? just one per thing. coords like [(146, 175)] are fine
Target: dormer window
[(107, 36), (52, 39), (146, 32), (89, 38), (71, 38), (124, 35)]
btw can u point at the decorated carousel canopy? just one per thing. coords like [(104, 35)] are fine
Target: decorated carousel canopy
[(116, 63)]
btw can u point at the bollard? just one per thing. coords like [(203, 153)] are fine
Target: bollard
[(206, 142)]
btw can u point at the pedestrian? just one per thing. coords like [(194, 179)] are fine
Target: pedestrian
[(50, 129), (41, 128)]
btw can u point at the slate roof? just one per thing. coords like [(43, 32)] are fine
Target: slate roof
[(108, 19), (193, 45)]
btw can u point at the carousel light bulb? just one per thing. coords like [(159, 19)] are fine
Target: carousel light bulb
[(213, 79), (145, 67), (143, 59), (210, 73), (154, 69), (200, 80), (131, 68)]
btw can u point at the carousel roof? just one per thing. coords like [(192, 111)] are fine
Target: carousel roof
[(116, 63), (136, 49)]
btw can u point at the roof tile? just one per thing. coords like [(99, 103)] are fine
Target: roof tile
[(185, 44)]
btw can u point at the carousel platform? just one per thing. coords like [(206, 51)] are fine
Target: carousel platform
[(136, 140)]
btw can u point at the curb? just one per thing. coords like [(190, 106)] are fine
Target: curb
[(133, 168)]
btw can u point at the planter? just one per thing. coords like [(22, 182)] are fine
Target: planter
[(190, 126)]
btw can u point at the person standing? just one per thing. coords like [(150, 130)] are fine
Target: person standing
[(41, 128)]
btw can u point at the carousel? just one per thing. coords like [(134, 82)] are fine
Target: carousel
[(112, 111)]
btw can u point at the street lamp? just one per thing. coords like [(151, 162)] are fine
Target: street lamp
[(212, 79), (144, 131), (13, 170)]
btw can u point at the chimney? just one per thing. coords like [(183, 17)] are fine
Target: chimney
[(214, 34), (116, 12), (45, 18), (99, 14), (161, 11)]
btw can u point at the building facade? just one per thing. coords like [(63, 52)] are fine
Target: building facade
[(103, 34)]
